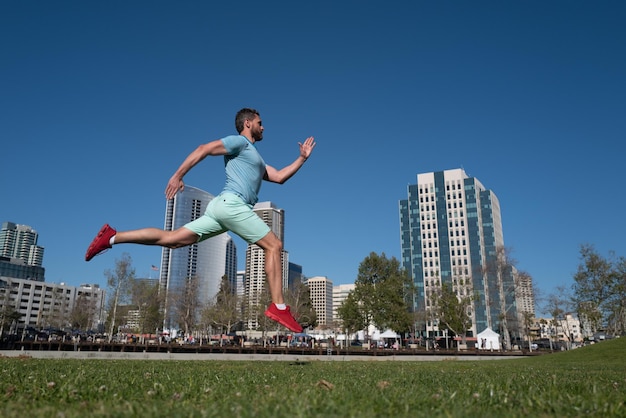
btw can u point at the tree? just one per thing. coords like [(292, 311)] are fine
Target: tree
[(452, 310), (559, 305), (83, 312), (529, 319), (600, 291), (501, 278), (119, 282), (9, 315), (523, 288), (56, 314), (145, 296), (353, 318), (380, 295), (391, 286), (224, 311), (419, 319), (185, 305)]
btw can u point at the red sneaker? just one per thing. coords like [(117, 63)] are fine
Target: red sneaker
[(283, 317), (100, 243)]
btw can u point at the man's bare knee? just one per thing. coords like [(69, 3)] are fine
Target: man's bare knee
[(173, 245), (275, 246), (270, 242), (179, 238)]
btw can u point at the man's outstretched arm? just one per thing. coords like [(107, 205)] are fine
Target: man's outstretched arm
[(284, 174), (175, 184)]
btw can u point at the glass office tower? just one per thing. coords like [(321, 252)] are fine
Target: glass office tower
[(207, 261), (451, 232)]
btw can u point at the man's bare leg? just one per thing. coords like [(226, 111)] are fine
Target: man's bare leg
[(273, 249), (108, 236), (180, 237)]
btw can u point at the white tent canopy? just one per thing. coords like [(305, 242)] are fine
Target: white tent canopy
[(488, 340), (387, 334)]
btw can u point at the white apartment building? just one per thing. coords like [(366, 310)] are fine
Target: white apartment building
[(240, 284), (321, 291), (255, 277), (340, 293), (524, 296), (44, 305)]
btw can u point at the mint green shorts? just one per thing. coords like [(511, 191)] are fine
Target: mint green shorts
[(228, 212)]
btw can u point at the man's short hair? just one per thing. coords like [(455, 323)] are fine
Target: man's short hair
[(243, 115)]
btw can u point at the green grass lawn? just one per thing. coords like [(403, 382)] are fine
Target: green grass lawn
[(589, 381)]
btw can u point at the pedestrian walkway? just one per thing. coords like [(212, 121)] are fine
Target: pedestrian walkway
[(108, 355)]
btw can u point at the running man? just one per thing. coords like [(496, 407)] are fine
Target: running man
[(231, 210)]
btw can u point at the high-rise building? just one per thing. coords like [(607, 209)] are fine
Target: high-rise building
[(20, 256), (295, 275), (255, 262), (524, 296), (340, 293), (202, 264), (451, 232), (20, 242), (240, 286), (321, 291)]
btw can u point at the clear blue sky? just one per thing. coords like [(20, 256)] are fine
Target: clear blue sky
[(101, 101)]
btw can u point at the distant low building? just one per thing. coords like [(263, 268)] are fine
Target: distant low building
[(51, 305), (566, 329)]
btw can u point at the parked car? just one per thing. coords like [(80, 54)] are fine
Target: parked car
[(545, 343)]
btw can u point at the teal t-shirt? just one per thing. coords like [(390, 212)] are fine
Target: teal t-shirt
[(245, 168)]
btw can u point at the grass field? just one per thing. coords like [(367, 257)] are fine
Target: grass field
[(589, 381)]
